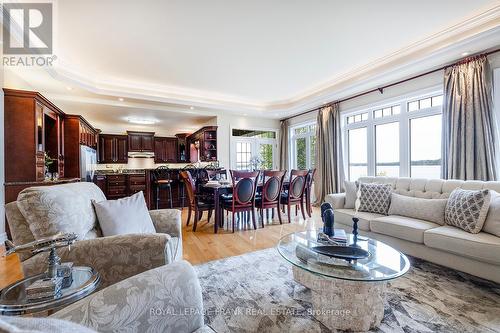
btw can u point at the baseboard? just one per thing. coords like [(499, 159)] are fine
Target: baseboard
[(3, 237)]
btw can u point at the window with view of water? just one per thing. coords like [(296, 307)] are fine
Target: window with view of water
[(425, 157), (358, 158), (396, 138), (387, 149)]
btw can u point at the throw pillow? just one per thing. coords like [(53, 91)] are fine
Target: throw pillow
[(375, 198), (350, 194), (61, 208), (492, 222), (124, 216), (467, 209), (431, 210)]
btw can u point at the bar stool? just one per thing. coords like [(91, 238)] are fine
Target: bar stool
[(162, 181)]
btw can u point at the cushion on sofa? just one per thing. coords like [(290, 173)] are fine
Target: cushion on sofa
[(402, 227), (350, 194), (124, 216), (375, 198), (431, 210), (467, 209), (492, 223), (61, 208), (482, 246), (344, 216)]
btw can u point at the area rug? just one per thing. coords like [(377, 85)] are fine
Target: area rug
[(256, 292)]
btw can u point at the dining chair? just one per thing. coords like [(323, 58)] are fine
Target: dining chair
[(294, 196), (308, 191), (217, 174), (162, 181), (270, 194), (243, 198), (197, 203)]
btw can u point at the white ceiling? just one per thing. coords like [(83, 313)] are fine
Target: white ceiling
[(275, 57)]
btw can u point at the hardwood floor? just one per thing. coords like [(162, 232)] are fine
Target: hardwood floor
[(203, 245)]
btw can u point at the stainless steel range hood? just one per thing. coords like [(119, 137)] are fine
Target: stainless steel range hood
[(141, 154)]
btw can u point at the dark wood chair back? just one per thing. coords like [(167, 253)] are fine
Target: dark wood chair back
[(189, 184), (310, 177), (273, 184), (298, 182), (216, 174), (244, 187), (161, 173)]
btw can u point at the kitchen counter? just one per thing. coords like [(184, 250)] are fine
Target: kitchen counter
[(46, 182)]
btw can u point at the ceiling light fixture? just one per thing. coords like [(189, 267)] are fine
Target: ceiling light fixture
[(465, 54), (121, 99), (142, 121), (69, 88), (191, 107)]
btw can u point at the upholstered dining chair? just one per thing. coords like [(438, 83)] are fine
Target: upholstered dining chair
[(197, 203), (295, 194), (270, 194), (217, 174), (308, 191), (243, 198), (162, 181)]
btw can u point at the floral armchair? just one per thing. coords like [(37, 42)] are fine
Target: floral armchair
[(116, 257)]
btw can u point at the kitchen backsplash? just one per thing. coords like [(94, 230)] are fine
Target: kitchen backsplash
[(142, 163)]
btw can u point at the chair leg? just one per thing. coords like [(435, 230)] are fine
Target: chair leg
[(209, 215), (302, 209), (233, 214), (308, 205), (262, 218), (189, 215), (157, 197), (296, 210), (279, 213), (253, 219), (196, 218), (289, 213)]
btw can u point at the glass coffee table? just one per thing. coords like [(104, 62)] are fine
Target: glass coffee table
[(346, 295)]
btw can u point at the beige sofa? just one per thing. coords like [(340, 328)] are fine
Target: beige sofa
[(116, 257), (476, 254)]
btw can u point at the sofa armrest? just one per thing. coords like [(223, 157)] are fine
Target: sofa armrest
[(167, 221), (115, 258), (337, 200), (164, 299)]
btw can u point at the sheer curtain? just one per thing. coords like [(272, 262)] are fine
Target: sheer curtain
[(468, 122), (284, 146), (329, 163)]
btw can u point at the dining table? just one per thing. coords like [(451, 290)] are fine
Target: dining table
[(217, 189)]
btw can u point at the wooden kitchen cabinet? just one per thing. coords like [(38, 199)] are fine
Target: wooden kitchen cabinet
[(140, 141), (113, 148), (77, 132), (165, 150)]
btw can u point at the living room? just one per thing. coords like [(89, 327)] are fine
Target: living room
[(265, 166)]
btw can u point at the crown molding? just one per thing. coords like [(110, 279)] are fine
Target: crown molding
[(478, 32)]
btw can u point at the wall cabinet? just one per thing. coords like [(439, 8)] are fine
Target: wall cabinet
[(165, 150), (113, 148), (203, 143), (140, 141), (77, 131)]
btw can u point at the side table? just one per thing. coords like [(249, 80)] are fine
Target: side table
[(13, 300)]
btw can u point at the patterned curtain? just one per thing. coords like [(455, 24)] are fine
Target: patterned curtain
[(284, 149), (329, 162), (468, 125)]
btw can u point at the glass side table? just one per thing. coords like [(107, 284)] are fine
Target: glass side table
[(13, 300)]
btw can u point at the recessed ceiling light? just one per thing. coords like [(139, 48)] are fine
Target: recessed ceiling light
[(465, 54), (142, 121), (69, 88), (121, 99), (191, 107), (245, 114)]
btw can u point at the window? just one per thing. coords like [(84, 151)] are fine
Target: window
[(303, 146), (424, 152), (400, 139), (387, 149), (251, 147), (358, 158)]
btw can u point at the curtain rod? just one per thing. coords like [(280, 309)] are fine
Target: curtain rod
[(381, 89)]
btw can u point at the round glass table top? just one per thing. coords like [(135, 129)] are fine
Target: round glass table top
[(13, 299), (383, 262)]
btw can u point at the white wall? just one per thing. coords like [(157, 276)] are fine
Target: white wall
[(225, 122)]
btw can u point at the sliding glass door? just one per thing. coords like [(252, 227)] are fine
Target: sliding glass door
[(253, 149)]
